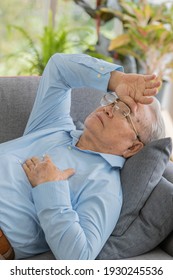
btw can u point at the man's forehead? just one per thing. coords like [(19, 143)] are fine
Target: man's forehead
[(143, 112)]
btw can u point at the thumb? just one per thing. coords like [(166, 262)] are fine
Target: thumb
[(47, 158), (68, 173)]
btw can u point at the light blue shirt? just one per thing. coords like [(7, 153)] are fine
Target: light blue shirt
[(73, 217)]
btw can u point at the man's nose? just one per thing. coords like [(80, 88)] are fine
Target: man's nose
[(108, 111)]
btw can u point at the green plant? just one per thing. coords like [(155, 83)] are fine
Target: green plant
[(62, 39), (100, 14), (147, 35)]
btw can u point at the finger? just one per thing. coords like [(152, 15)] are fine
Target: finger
[(149, 77), (26, 169), (47, 158), (29, 163), (146, 100), (150, 92), (35, 160), (68, 173), (154, 84), (130, 102)]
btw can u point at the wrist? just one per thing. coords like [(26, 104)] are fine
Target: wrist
[(116, 78)]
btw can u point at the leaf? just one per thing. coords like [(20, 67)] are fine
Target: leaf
[(127, 6), (105, 14), (148, 12), (86, 7), (119, 41)]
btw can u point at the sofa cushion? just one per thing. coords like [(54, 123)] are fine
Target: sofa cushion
[(168, 173), (167, 244), (139, 176), (141, 198), (152, 225), (17, 95)]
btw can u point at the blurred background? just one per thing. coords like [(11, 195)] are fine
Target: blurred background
[(137, 34)]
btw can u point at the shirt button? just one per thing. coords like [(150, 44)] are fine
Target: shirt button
[(99, 75), (69, 148), (101, 68)]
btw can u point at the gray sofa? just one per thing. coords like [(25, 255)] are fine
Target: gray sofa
[(17, 96)]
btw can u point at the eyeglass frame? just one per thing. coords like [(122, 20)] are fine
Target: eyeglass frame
[(127, 115)]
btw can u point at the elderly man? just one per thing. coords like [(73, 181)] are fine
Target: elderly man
[(60, 188)]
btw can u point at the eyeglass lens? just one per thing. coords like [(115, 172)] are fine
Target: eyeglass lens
[(121, 108)]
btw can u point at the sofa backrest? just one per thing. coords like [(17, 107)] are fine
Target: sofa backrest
[(17, 95)]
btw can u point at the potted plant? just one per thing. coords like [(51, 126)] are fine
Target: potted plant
[(62, 38), (100, 13), (147, 36)]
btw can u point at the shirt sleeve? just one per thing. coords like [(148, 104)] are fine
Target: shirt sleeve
[(63, 73), (78, 233)]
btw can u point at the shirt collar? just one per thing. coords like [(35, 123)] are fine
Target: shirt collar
[(113, 160)]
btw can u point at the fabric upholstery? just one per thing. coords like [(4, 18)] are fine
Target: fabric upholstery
[(148, 230), (168, 173), (16, 100), (167, 244), (139, 176)]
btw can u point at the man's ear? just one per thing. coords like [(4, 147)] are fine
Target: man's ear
[(136, 147)]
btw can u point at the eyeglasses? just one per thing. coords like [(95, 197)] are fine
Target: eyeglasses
[(119, 108)]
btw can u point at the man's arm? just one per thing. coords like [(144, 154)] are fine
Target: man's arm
[(65, 72), (62, 73)]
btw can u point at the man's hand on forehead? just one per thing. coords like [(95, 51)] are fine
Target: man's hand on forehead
[(134, 88)]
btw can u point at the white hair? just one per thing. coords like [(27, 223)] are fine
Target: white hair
[(156, 129)]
